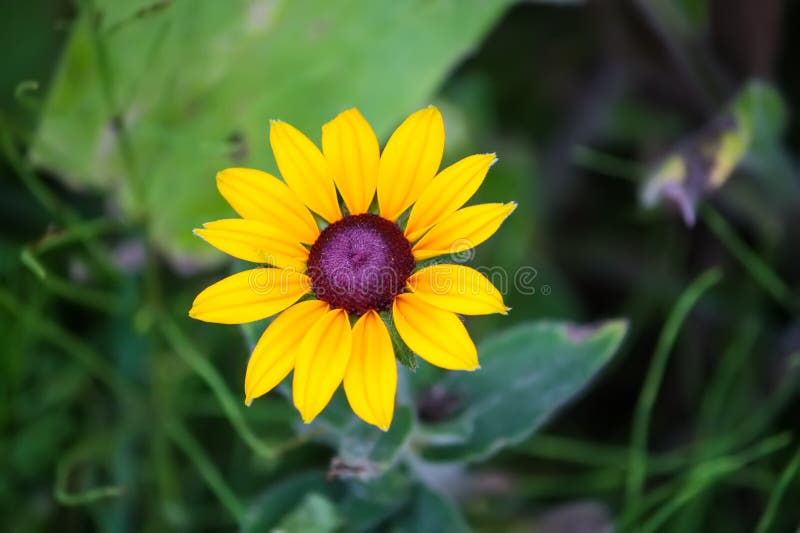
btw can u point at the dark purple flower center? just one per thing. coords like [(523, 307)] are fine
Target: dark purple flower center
[(360, 263)]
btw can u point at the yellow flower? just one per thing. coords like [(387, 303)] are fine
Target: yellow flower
[(359, 270)]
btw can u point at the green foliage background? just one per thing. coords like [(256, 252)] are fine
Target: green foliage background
[(647, 382)]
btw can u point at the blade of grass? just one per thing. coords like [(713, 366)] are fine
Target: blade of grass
[(761, 272), (181, 344), (89, 229), (564, 449), (84, 354), (602, 481), (162, 464), (609, 165), (711, 420), (100, 300), (787, 477), (733, 464), (64, 213), (769, 409), (184, 440), (709, 473), (731, 363), (637, 467), (65, 466), (578, 452)]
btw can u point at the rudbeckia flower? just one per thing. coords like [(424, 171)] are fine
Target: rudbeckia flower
[(337, 279)]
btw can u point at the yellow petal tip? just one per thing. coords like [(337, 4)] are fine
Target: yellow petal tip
[(307, 419), (248, 401), (510, 208), (220, 176), (275, 124)]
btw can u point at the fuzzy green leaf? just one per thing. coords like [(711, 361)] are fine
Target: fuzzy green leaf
[(121, 117), (315, 513), (527, 373)]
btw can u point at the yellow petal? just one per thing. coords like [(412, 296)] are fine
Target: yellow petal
[(457, 288), (409, 161), (255, 241), (463, 230), (321, 363), (249, 296), (274, 355), (371, 378), (448, 191), (260, 196), (304, 169), (352, 151), (436, 335)]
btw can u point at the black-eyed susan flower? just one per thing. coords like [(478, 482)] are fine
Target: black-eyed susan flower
[(338, 283)]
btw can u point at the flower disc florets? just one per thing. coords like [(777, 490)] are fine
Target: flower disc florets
[(360, 263)]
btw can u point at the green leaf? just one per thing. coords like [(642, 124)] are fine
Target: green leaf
[(315, 513), (368, 503), (527, 373), (272, 506), (695, 12), (364, 451), (431, 513), (150, 103), (761, 107), (763, 110), (359, 441)]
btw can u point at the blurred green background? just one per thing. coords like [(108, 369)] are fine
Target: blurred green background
[(646, 379)]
